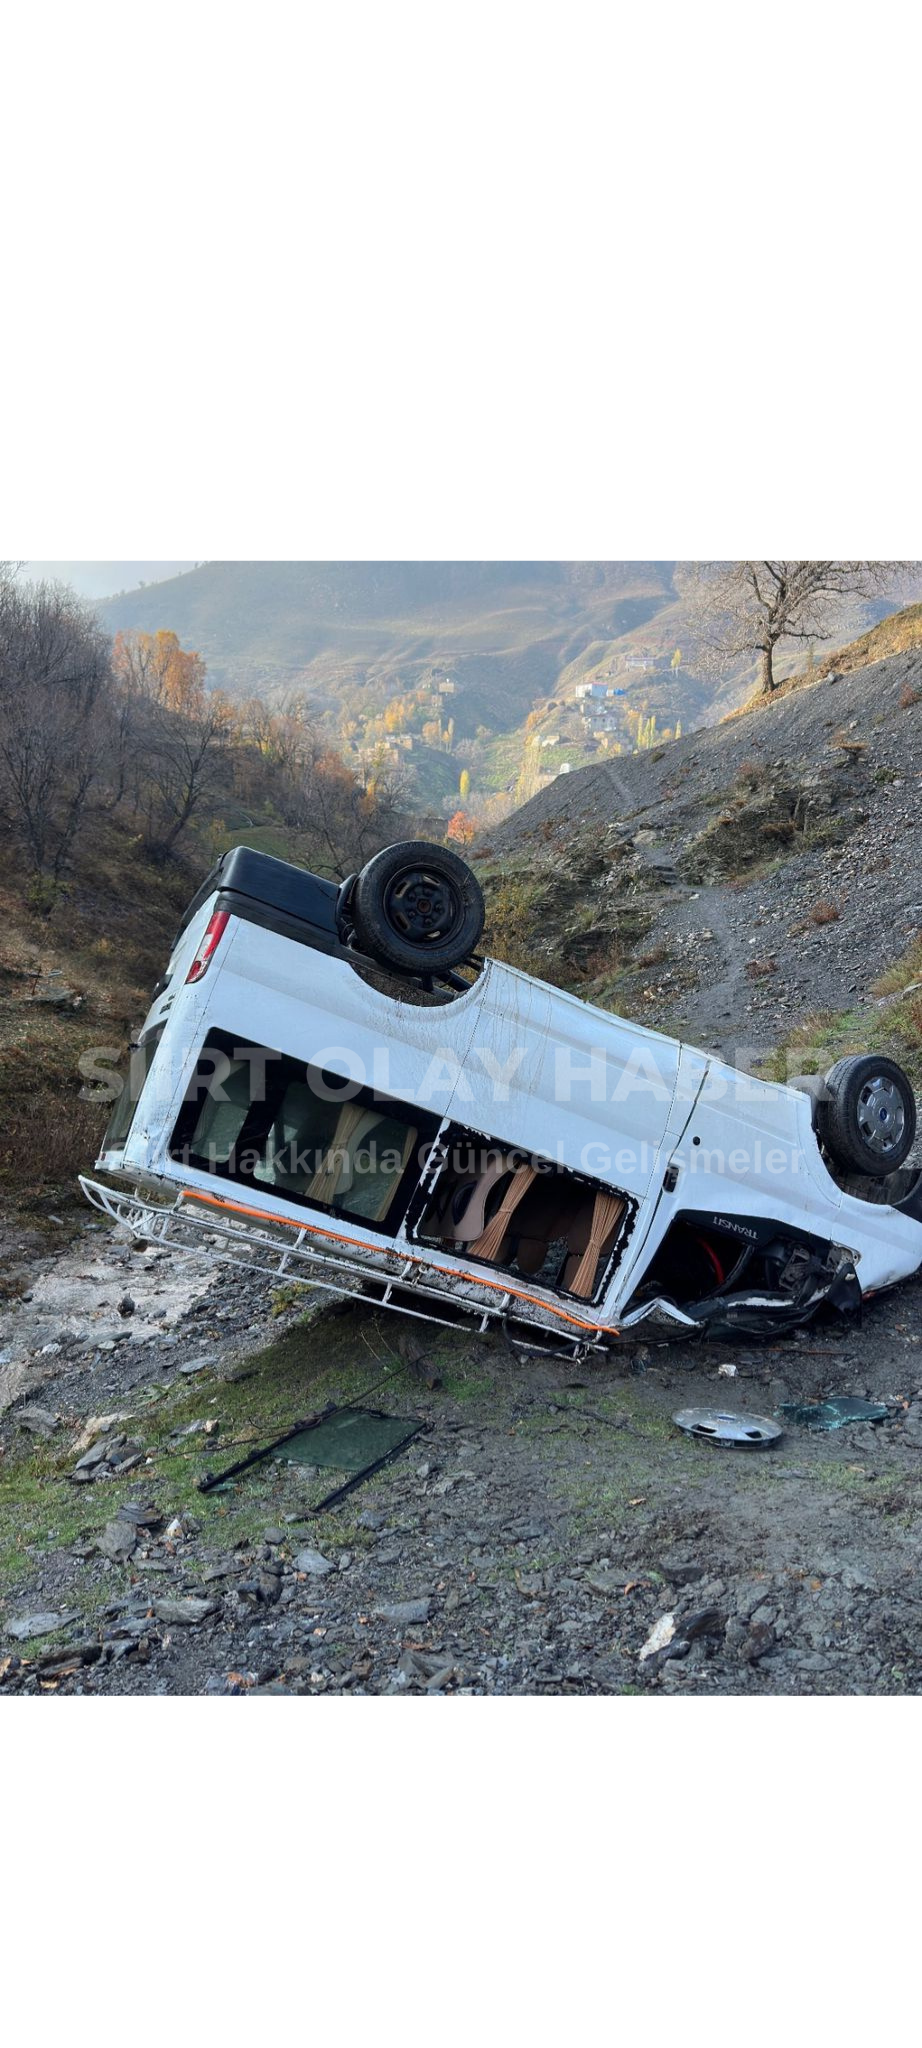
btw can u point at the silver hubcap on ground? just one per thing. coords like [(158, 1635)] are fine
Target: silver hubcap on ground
[(881, 1116)]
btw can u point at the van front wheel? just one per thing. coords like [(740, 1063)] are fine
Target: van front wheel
[(418, 907)]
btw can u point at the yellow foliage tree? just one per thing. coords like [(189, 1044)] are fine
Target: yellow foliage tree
[(159, 668)]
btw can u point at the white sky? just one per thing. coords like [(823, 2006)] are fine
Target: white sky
[(104, 579)]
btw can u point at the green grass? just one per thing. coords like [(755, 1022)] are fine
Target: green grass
[(318, 1362), (894, 1028)]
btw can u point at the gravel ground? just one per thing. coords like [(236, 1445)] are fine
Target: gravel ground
[(529, 1541)]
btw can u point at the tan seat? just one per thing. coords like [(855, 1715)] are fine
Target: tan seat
[(472, 1220)]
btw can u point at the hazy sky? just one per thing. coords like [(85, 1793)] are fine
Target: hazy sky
[(104, 579)]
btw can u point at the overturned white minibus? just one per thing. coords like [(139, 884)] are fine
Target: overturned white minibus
[(331, 1084)]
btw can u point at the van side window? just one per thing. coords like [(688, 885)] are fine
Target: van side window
[(259, 1117), (529, 1216)]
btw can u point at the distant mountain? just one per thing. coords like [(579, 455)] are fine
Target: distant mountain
[(441, 663), (328, 627)]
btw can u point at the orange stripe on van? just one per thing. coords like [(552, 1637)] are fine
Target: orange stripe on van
[(358, 1244)]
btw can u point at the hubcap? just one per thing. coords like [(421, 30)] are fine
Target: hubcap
[(881, 1115), (421, 906)]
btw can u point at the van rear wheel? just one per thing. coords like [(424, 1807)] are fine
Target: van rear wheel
[(417, 907)]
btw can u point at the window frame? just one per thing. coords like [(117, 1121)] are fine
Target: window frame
[(230, 1046)]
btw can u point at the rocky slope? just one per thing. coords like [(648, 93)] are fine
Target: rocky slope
[(777, 859)]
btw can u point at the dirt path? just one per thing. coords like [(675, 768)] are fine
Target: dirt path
[(700, 923)]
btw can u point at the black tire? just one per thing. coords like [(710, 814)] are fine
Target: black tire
[(868, 1121), (417, 907)]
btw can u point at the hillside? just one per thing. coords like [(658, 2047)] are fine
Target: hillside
[(435, 667), (341, 628), (755, 887)]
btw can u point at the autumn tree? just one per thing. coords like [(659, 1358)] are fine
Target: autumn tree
[(178, 731), (464, 782), (460, 828), (155, 666), (738, 610)]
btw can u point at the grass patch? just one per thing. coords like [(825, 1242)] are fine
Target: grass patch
[(829, 1035), (906, 970), (319, 1361)]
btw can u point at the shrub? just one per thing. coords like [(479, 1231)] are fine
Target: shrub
[(824, 912)]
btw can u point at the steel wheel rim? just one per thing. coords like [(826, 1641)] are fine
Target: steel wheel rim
[(881, 1116), (425, 908)]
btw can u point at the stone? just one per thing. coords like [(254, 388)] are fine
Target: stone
[(402, 1612), (660, 1635), (912, 1427), (95, 1427), (118, 1539), (607, 1582), (192, 1365), (30, 1625), (706, 1621), (679, 1573), (38, 1421), (419, 1668), (184, 1613), (758, 1643), (313, 1562), (127, 1306), (94, 1456), (87, 1652)]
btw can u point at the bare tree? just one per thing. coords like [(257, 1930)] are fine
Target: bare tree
[(179, 758), (740, 609), (55, 701), (313, 789)]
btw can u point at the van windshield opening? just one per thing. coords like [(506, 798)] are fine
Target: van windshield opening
[(268, 1121), (139, 1066)]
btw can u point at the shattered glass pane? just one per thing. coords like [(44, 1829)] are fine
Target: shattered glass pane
[(831, 1414), (350, 1439)]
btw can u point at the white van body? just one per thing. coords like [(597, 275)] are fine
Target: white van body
[(649, 1141)]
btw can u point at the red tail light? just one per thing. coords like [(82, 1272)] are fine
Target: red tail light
[(210, 941)]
